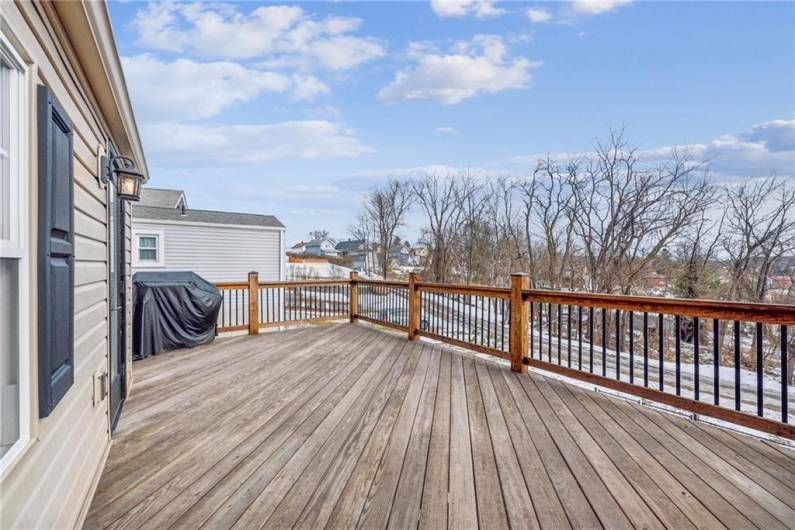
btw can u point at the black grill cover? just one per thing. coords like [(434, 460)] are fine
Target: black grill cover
[(172, 310)]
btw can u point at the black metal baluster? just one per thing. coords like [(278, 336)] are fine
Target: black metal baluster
[(590, 339), (449, 312), (560, 333), (759, 372), (604, 341), (660, 350), (737, 389), (618, 344), (540, 331), (530, 330), (645, 349), (784, 374), (568, 336), (488, 337), (631, 347), (696, 354), (433, 312), (579, 337), (506, 309), (483, 329), (678, 352), (715, 362), (549, 332), (471, 321)]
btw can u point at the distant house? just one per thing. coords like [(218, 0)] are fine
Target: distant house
[(351, 247), (321, 247), (362, 255), (653, 280), (781, 282), (219, 246), (299, 248)]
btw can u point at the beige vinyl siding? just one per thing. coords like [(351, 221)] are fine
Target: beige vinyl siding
[(218, 253), (52, 482)]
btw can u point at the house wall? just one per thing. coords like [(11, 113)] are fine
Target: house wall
[(218, 253), (51, 484)]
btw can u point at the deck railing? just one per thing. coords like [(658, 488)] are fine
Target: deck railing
[(727, 360)]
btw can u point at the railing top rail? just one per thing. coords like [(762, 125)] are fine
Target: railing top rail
[(391, 283), (719, 309), (305, 283), (231, 285), (474, 290)]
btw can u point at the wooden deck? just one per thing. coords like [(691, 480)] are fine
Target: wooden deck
[(350, 426)]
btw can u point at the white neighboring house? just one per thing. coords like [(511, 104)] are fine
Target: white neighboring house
[(218, 246)]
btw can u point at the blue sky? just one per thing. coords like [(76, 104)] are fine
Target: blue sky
[(296, 109)]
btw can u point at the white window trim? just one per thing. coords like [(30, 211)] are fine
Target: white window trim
[(17, 246), (161, 259)]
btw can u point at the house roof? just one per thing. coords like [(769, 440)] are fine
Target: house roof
[(318, 242), (160, 198), (352, 244), (204, 216)]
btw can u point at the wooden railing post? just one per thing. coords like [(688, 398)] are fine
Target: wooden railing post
[(354, 294), (253, 303), (519, 316), (414, 307)]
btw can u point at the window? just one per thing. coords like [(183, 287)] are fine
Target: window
[(148, 249), (14, 303)]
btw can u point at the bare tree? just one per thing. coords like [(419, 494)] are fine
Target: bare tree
[(439, 197), (694, 254), (760, 232), (386, 208), (318, 235), (551, 210), (362, 230), (624, 214), (472, 239)]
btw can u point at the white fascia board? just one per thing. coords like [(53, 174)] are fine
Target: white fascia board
[(167, 222)]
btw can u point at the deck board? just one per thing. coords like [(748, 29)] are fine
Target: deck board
[(344, 426)]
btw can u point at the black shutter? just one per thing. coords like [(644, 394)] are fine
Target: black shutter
[(56, 247)]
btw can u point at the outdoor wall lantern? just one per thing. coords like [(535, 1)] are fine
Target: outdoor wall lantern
[(122, 172)]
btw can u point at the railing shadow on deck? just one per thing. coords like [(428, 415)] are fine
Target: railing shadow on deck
[(712, 358)]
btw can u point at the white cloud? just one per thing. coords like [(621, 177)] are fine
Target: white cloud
[(228, 145), (365, 180), (597, 7), (446, 130), (539, 15), (185, 90), (429, 169), (765, 149), (281, 34), (777, 135), (307, 87), (461, 8), (476, 67)]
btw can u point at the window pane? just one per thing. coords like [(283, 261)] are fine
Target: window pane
[(9, 353), (147, 242), (5, 141), (145, 254)]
